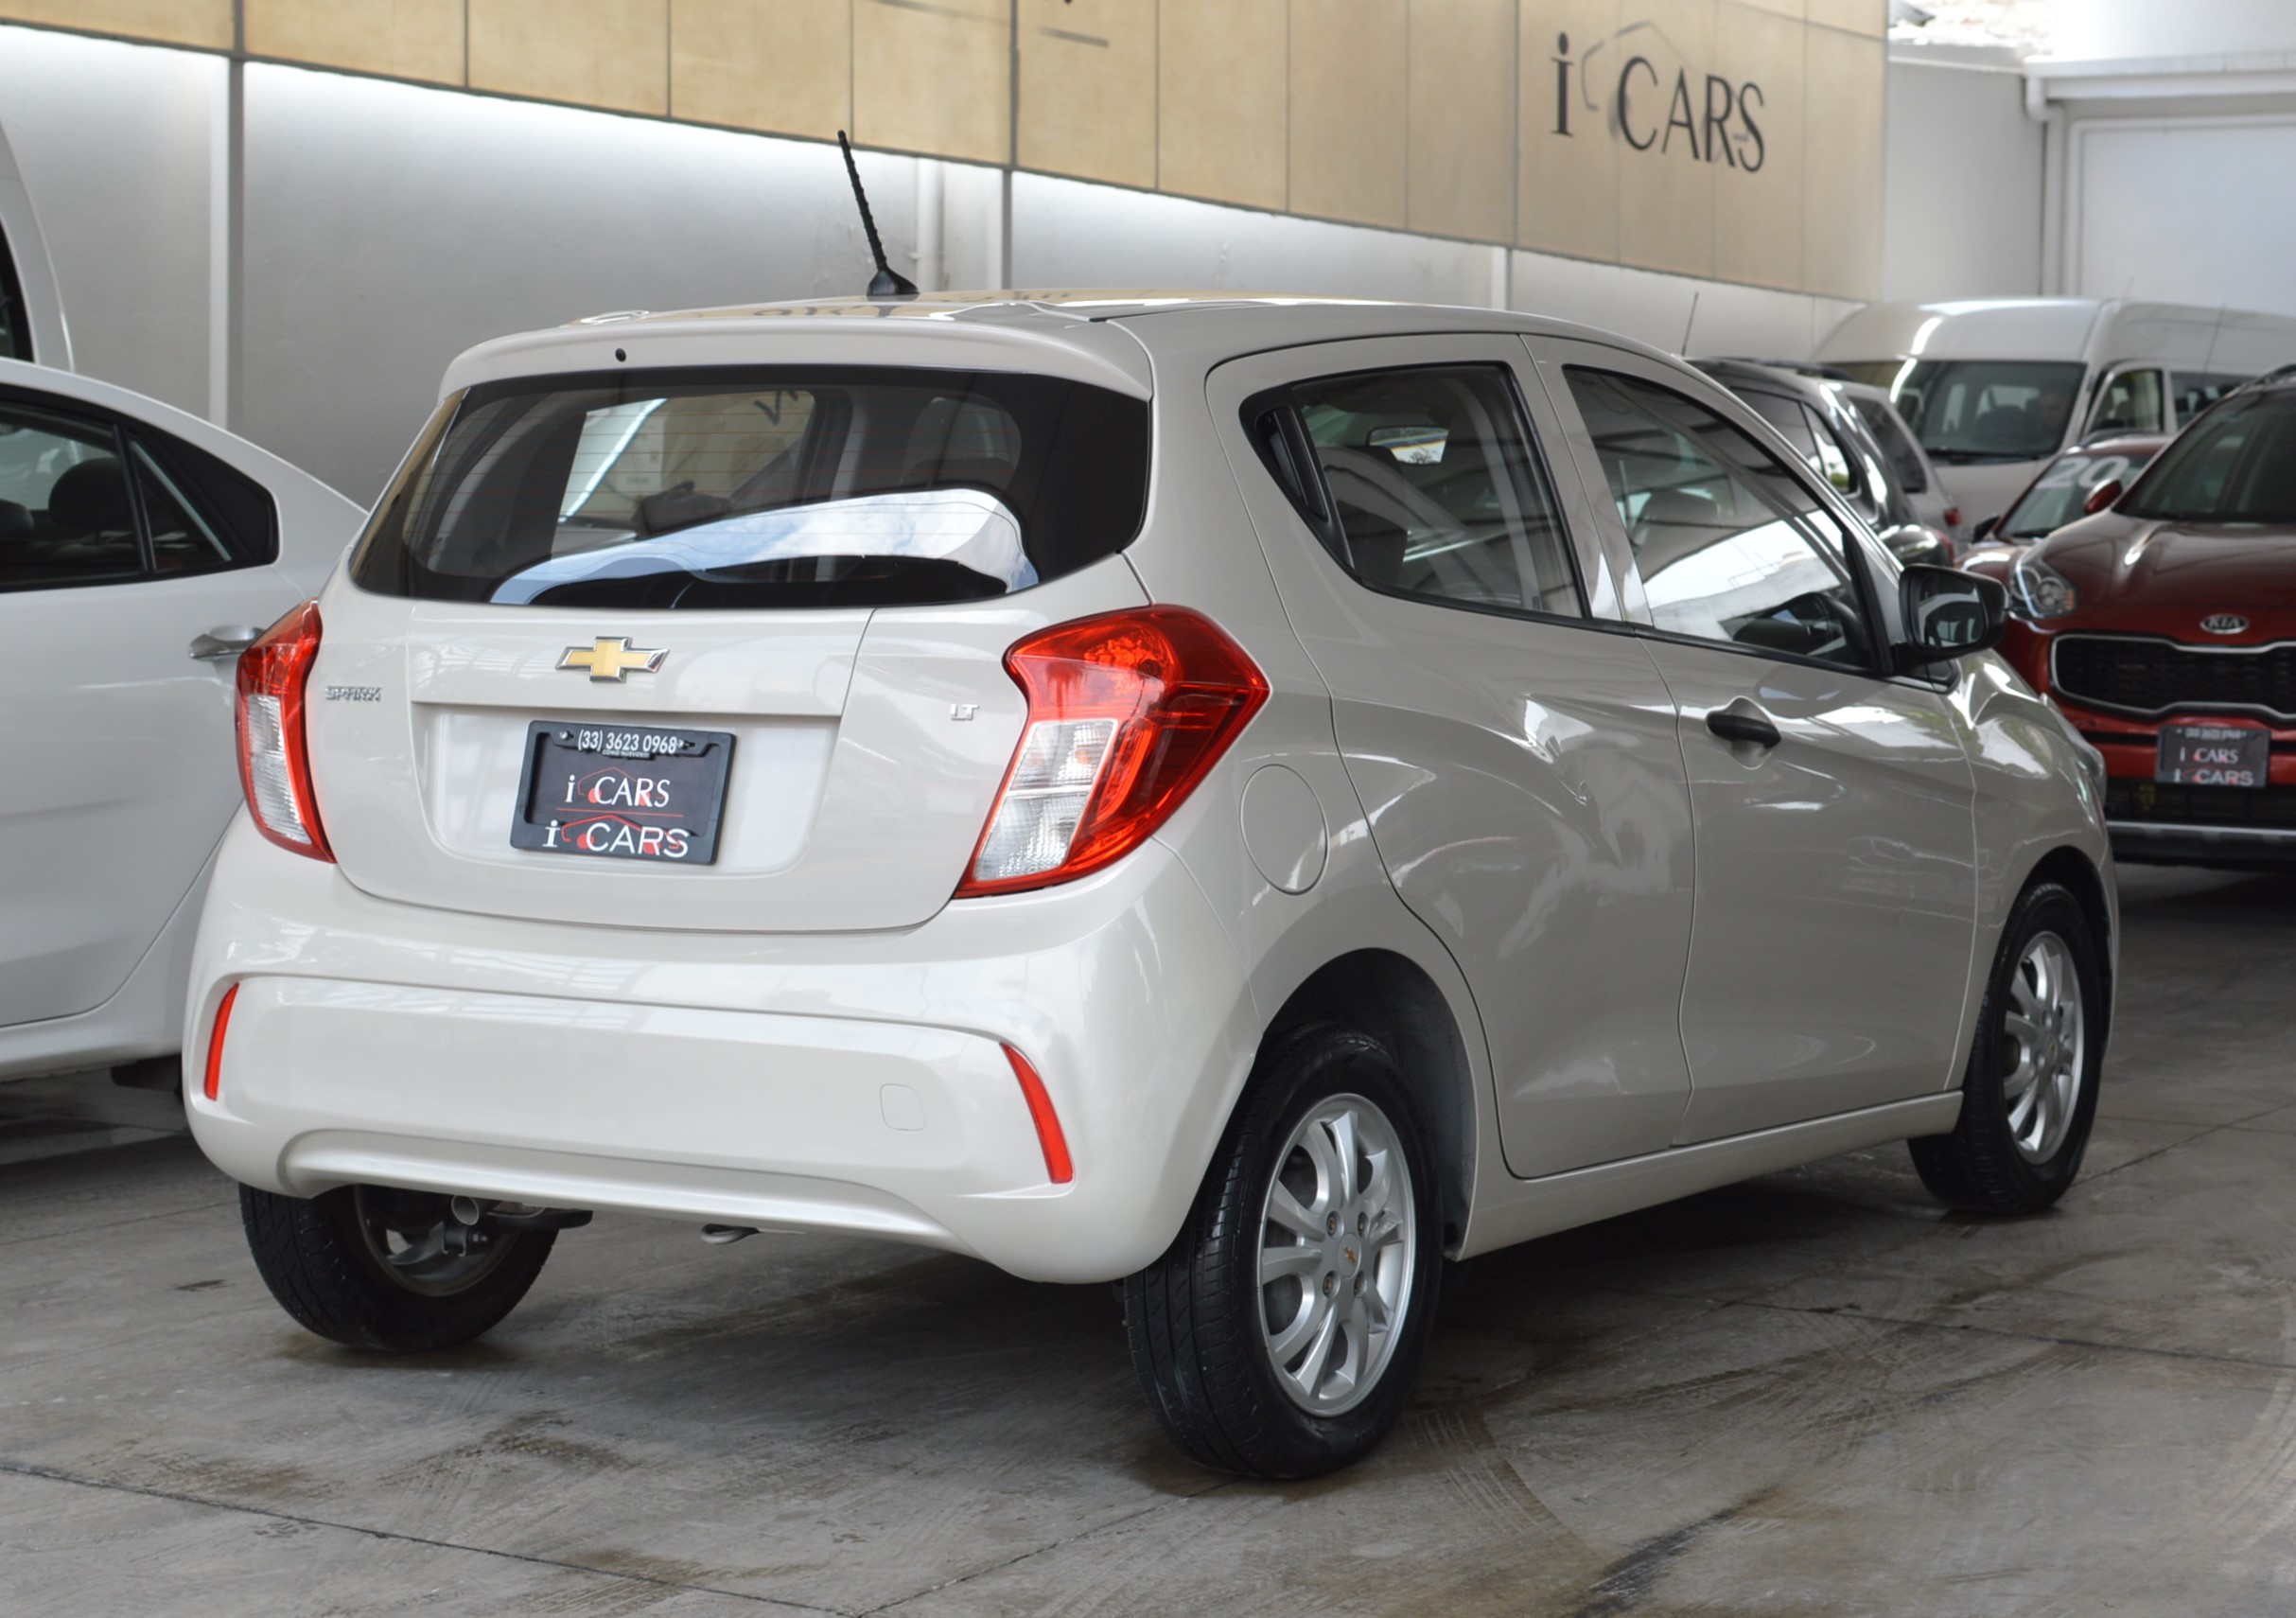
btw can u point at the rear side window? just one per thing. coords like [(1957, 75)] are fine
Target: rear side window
[(761, 490), (15, 321), (86, 499), (1423, 482)]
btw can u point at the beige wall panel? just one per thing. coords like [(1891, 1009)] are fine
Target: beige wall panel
[(1797, 9), (1842, 186), (594, 53), (1461, 99), (1221, 105), (1666, 188), (402, 39), (936, 80), (1867, 17), (179, 21), (1567, 185), (1088, 89), (1350, 120), (1758, 165), (783, 66)]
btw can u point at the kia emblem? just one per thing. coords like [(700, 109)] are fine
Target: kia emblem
[(2224, 623)]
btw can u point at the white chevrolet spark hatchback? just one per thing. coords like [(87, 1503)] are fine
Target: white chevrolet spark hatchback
[(1244, 798)]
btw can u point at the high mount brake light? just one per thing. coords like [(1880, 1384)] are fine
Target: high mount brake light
[(1126, 713), (275, 766)]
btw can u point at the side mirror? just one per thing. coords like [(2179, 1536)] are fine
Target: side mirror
[(2101, 497), (1949, 613), (1984, 530)]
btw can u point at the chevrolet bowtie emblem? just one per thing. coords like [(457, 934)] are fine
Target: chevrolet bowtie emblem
[(612, 656)]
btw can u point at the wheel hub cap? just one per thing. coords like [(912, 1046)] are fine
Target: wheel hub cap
[(1339, 1241), (2045, 1025)]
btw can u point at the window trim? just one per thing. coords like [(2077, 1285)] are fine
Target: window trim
[(1279, 402), (1854, 557)]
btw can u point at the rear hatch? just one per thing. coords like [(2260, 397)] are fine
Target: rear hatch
[(765, 609)]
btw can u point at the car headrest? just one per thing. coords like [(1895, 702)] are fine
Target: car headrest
[(91, 498), (16, 520)]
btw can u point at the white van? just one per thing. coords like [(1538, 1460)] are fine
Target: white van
[(1994, 388), (32, 316)]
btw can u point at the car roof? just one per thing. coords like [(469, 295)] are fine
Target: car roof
[(1113, 338)]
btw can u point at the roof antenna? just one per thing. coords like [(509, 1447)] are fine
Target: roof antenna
[(1685, 349), (2222, 309), (887, 282)]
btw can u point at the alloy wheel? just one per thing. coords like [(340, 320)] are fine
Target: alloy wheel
[(2046, 1022), (1338, 1245)]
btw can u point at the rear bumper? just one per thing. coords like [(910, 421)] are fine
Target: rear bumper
[(854, 1084)]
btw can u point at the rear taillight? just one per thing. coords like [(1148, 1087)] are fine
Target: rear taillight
[(1126, 713), (1952, 517), (275, 766)]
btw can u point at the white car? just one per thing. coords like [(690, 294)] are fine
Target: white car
[(140, 548), (1246, 798)]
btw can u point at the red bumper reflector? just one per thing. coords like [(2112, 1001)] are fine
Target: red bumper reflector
[(215, 1045), (1057, 1166)]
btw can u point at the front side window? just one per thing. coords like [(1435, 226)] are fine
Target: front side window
[(2130, 403), (1730, 545), (1423, 484), (2238, 467), (66, 516), (1964, 412), (761, 490), (2196, 391)]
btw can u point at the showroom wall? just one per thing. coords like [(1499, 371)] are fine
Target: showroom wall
[(307, 277), (2172, 132)]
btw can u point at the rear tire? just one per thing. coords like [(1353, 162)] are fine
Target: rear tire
[(1279, 1335), (2029, 1096), (368, 1266)]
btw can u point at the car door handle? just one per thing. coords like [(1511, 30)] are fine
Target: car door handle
[(1742, 727), (223, 641)]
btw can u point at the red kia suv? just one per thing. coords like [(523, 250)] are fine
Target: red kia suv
[(2163, 626)]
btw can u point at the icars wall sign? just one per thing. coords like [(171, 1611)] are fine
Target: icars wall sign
[(1738, 139)]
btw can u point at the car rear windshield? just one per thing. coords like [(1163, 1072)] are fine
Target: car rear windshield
[(2236, 464), (760, 489), (2060, 494), (1964, 411)]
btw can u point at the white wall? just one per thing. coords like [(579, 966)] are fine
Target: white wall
[(2171, 27), (1962, 209), (115, 145), (2172, 212)]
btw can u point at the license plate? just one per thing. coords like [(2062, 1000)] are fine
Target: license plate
[(622, 792), (2215, 755)]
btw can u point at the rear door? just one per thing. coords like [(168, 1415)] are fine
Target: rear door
[(1512, 748), (1836, 852), (809, 578), (133, 566)]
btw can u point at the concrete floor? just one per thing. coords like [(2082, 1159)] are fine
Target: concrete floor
[(1812, 1393)]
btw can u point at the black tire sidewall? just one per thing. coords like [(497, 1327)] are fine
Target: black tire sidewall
[(2044, 909), (1311, 1070), (315, 1259)]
